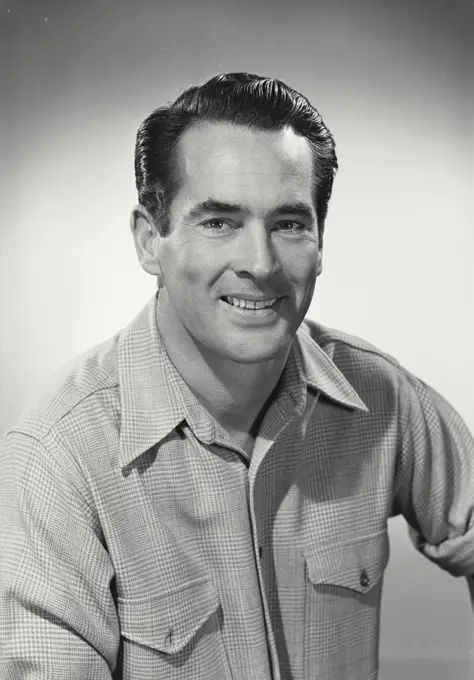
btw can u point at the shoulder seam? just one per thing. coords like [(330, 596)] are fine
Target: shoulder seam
[(16, 427), (368, 349)]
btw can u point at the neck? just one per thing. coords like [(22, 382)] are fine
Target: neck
[(234, 394)]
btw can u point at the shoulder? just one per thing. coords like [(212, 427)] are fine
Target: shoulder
[(341, 345), (368, 368), (79, 387)]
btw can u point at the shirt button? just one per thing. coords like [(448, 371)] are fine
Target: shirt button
[(169, 637), (364, 579), (260, 551)]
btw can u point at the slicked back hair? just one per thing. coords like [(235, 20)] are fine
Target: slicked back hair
[(243, 99)]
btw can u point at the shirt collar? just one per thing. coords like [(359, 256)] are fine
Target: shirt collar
[(155, 399), (323, 375)]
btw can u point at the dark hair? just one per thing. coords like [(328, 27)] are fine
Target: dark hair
[(243, 99)]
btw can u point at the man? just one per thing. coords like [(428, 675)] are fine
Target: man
[(206, 495)]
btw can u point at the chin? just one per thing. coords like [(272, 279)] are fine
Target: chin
[(255, 355)]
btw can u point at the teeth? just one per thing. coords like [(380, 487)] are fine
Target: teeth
[(249, 304)]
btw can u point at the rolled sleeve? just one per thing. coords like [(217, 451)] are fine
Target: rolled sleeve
[(57, 614), (435, 486)]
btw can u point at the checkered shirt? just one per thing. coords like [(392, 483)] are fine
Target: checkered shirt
[(137, 542)]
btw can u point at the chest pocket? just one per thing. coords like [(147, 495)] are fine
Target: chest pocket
[(177, 634), (342, 611)]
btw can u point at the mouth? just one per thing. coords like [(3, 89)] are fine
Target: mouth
[(257, 313), (255, 306)]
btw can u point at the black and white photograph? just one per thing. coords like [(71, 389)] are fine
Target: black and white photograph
[(236, 359)]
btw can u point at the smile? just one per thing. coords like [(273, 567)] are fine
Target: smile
[(248, 304)]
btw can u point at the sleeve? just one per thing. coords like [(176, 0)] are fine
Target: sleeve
[(58, 619), (435, 479)]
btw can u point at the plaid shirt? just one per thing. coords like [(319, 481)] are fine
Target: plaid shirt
[(138, 542)]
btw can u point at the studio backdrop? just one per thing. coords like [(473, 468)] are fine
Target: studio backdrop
[(394, 83)]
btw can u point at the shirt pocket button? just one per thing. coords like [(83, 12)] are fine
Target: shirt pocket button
[(364, 579)]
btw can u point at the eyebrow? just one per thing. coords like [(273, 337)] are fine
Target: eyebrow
[(210, 205), (300, 209)]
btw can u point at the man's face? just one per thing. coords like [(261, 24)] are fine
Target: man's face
[(240, 262)]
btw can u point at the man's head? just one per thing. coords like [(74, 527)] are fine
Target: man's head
[(234, 180), (242, 99)]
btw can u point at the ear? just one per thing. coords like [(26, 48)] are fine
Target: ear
[(147, 239), (319, 264)]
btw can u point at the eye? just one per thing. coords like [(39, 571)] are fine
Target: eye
[(217, 224), (290, 226)]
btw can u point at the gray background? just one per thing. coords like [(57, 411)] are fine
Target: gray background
[(393, 80)]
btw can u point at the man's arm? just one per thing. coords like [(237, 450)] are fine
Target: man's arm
[(435, 480), (57, 615)]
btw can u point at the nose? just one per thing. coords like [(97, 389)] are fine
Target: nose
[(254, 254)]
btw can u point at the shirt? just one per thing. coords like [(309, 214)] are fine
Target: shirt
[(137, 542)]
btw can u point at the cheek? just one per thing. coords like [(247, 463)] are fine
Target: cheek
[(189, 266), (178, 262), (301, 264)]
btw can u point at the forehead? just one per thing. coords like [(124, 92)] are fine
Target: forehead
[(232, 162)]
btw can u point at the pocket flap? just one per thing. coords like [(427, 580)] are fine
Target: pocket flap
[(167, 622), (357, 565)]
